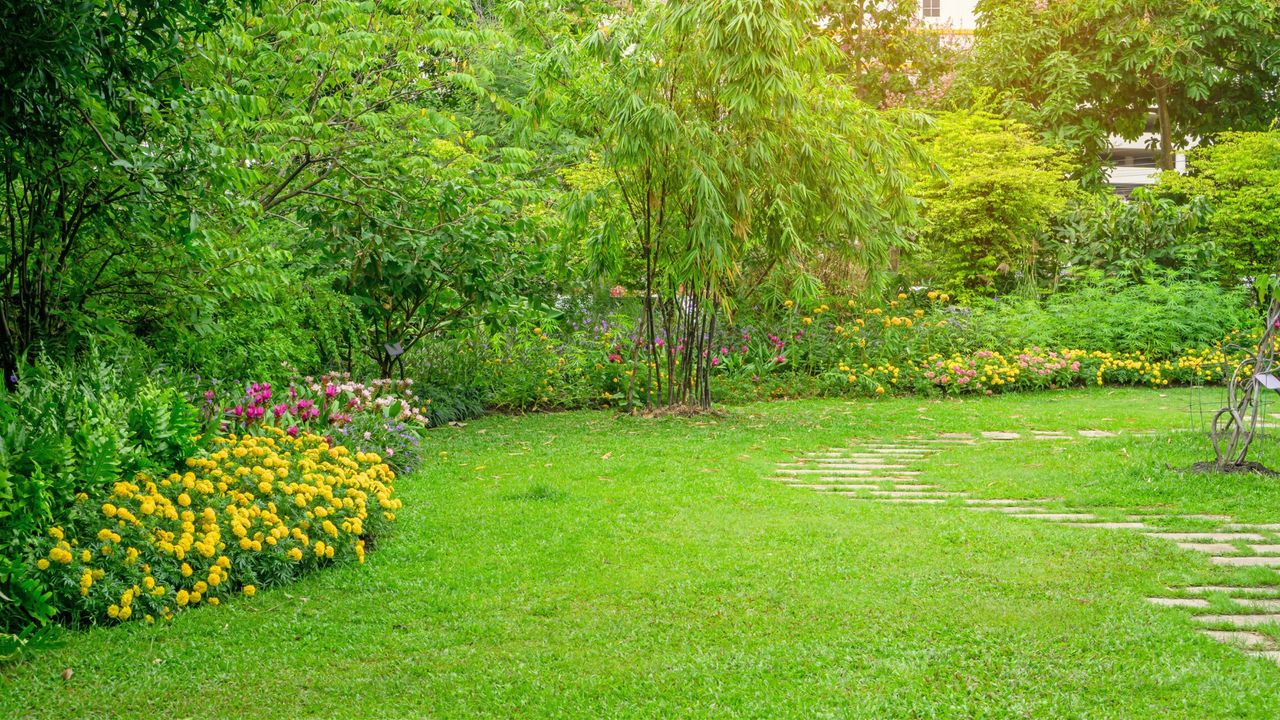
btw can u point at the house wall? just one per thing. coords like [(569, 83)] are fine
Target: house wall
[(955, 14)]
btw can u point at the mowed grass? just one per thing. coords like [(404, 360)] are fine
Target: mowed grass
[(587, 565)]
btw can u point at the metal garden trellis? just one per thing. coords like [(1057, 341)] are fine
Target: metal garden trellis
[(1234, 426)]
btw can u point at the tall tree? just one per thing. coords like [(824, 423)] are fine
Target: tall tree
[(984, 220), (94, 156), (1079, 70), (369, 135), (890, 57), (731, 140)]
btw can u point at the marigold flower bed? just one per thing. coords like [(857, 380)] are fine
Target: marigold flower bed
[(254, 512)]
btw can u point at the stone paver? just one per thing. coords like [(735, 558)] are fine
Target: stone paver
[(1010, 509), (1247, 561), (860, 466), (820, 471), (1208, 547), (1232, 590), (1178, 602), (1241, 638), (912, 493), (1272, 527), (915, 486), (909, 501), (869, 457), (1212, 536), (995, 501), (1265, 549), (1098, 434), (1269, 605), (1110, 525), (1237, 620), (1057, 516), (1175, 517), (1272, 655), (834, 487), (1001, 435)]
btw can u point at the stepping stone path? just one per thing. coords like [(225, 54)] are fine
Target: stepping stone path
[(889, 473)]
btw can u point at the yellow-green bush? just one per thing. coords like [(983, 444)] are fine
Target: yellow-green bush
[(253, 512)]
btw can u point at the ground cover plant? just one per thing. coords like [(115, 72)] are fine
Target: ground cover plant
[(588, 562), (918, 341), (124, 497)]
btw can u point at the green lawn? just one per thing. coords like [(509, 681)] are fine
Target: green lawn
[(590, 565)]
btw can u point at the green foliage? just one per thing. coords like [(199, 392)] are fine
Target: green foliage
[(1129, 239), (1081, 70), (984, 220), (890, 57), (1161, 316), (1238, 174), (731, 142), (72, 429), (96, 158), (362, 134)]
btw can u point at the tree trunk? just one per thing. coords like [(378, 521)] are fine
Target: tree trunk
[(1166, 160)]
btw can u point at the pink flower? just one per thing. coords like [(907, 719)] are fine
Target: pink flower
[(293, 431), (330, 391), (615, 358), (715, 360), (208, 395), (280, 410)]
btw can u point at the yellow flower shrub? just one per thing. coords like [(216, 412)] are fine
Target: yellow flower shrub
[(252, 512)]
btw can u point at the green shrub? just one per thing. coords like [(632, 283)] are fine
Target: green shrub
[(63, 431), (1157, 317), (250, 512), (983, 220), (1239, 176)]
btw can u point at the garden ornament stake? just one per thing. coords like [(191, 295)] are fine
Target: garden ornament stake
[(1234, 425)]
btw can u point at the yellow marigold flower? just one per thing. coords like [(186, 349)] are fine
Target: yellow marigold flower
[(186, 570), (56, 533), (249, 590), (295, 554), (108, 509), (43, 564), (113, 611), (184, 500)]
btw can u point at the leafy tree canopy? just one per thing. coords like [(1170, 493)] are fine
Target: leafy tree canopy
[(1081, 70)]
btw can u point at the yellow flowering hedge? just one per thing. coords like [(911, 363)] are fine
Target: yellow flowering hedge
[(254, 511)]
